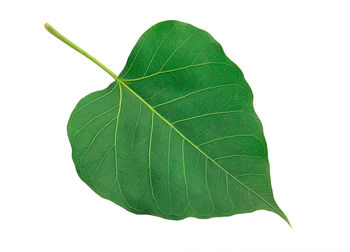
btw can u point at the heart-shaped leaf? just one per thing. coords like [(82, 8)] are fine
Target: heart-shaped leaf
[(175, 135)]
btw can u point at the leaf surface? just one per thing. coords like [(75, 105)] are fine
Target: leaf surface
[(176, 134)]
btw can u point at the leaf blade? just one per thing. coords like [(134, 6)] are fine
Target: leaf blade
[(171, 96)]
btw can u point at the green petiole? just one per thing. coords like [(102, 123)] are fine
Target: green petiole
[(58, 35)]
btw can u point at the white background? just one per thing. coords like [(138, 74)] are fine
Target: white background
[(296, 57)]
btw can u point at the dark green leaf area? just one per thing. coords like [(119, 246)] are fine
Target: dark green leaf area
[(176, 134)]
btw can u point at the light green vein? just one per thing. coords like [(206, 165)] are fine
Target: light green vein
[(99, 164), (91, 120), (208, 114), (227, 137), (227, 190), (251, 174), (206, 182), (176, 69), (199, 53), (149, 165), (195, 92), (116, 148), (116, 130), (156, 51), (171, 55), (94, 138), (149, 159), (134, 133), (250, 156), (184, 170), (157, 93), (132, 63), (170, 203), (94, 100)]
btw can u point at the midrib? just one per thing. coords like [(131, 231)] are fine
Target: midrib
[(121, 82)]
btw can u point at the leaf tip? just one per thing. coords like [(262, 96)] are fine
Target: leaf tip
[(284, 217), (289, 224)]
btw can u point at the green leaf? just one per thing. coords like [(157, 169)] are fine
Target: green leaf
[(176, 134)]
